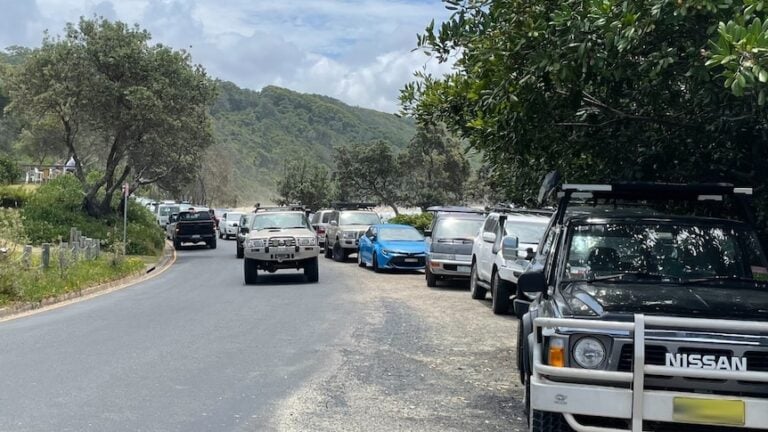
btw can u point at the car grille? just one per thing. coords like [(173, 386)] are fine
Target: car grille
[(282, 241), (399, 261), (654, 355), (757, 361)]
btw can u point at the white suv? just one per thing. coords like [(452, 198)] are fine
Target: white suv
[(502, 251)]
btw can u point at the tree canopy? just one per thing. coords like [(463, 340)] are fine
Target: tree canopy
[(603, 89), (135, 112)]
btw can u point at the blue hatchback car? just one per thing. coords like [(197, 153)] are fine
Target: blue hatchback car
[(390, 246)]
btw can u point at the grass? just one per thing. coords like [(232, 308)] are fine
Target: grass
[(36, 284)]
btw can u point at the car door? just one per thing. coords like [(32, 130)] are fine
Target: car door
[(485, 258), (332, 229), (366, 245)]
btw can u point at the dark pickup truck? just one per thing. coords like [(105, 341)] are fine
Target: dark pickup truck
[(194, 227)]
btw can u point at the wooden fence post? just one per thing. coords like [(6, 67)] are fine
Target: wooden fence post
[(46, 256), (26, 257), (75, 251), (63, 256), (72, 235)]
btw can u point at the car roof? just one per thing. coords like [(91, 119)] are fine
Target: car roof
[(470, 216), (455, 209), (387, 226), (524, 217), (596, 214)]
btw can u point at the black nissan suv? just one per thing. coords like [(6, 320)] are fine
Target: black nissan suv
[(649, 311)]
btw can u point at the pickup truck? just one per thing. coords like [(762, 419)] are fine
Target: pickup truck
[(194, 226)]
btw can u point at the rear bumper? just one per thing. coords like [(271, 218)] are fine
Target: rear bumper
[(452, 268), (612, 402), (194, 238)]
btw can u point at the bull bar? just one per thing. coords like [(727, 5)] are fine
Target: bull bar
[(634, 403)]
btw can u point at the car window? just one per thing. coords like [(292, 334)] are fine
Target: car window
[(194, 216), (233, 216), (491, 224), (327, 217), (359, 218), (457, 228), (280, 221), (400, 233), (526, 232)]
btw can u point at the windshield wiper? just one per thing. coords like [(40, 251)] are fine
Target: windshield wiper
[(720, 278), (271, 227), (447, 239), (640, 275)]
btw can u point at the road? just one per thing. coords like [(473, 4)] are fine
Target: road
[(194, 349)]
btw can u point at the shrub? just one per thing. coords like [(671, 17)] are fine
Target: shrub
[(419, 221), (13, 196), (9, 171)]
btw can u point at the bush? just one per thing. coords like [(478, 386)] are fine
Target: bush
[(13, 196), (419, 221), (57, 206), (9, 171)]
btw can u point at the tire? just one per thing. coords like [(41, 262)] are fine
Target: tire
[(311, 270), (176, 244), (500, 292), (477, 292), (360, 262), (212, 243), (375, 265), (250, 271), (542, 421), (327, 250), (431, 278), (240, 252), (338, 253), (221, 236)]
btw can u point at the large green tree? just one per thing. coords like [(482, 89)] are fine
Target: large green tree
[(304, 182), (139, 110), (603, 89), (370, 172)]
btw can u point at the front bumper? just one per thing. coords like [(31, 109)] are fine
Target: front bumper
[(349, 243), (451, 268), (228, 230), (402, 261), (282, 254)]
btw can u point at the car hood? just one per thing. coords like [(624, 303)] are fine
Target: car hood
[(452, 246), (716, 301), (294, 232), (404, 246)]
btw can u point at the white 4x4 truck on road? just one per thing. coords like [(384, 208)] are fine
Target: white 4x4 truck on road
[(280, 240), (646, 315)]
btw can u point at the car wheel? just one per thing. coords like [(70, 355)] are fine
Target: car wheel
[(360, 262), (311, 270), (240, 252), (176, 244), (477, 292), (221, 236), (250, 271), (327, 250), (375, 264), (542, 421), (500, 293), (431, 278), (338, 253), (212, 243)]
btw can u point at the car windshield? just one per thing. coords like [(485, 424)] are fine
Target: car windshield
[(167, 211), (457, 228), (526, 232), (280, 221), (400, 233), (359, 218), (233, 216), (677, 252)]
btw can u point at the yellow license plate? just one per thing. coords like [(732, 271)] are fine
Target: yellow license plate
[(709, 411)]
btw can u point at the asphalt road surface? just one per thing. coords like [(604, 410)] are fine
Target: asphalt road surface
[(194, 349)]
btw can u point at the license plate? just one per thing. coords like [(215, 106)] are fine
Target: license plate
[(709, 411), (463, 269), (196, 236), (283, 250), (282, 256), (411, 260)]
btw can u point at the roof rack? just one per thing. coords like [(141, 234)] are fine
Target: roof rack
[(510, 208), (455, 209), (654, 191), (291, 207), (339, 205)]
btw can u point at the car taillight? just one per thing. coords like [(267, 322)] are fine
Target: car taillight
[(320, 230)]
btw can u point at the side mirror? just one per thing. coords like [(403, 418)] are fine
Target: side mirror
[(333, 223), (532, 282), (509, 246), (244, 230), (489, 237)]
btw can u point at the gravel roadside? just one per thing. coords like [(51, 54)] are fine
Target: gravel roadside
[(419, 359)]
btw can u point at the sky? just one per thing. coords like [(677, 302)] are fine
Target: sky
[(358, 51)]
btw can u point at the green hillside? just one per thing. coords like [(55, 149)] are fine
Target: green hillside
[(259, 131)]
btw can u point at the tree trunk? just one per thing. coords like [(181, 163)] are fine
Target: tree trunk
[(394, 208)]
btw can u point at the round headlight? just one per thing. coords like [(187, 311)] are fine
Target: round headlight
[(589, 353)]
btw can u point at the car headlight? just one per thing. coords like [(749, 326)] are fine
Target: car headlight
[(589, 353), (349, 235), (388, 252), (306, 241), (254, 243)]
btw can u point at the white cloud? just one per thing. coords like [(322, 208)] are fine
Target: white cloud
[(358, 51)]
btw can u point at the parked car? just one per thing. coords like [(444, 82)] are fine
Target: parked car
[(228, 225), (171, 227), (392, 246), (347, 223), (217, 215), (639, 304), (280, 240), (501, 251), (163, 211), (194, 226), (449, 240), (245, 227), (320, 221)]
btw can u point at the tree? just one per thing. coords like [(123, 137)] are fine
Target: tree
[(140, 110), (436, 166), (603, 90), (304, 182), (370, 172)]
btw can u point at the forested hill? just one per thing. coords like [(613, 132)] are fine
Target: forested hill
[(259, 131)]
